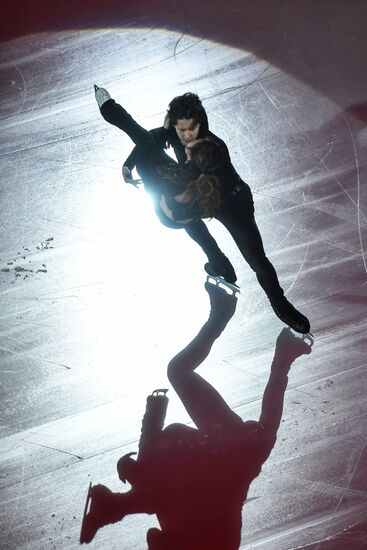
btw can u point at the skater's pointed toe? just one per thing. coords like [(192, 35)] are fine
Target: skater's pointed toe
[(101, 95)]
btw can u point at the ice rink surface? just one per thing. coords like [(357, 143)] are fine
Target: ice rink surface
[(97, 296)]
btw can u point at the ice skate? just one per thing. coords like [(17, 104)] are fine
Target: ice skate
[(291, 317), (221, 267), (219, 281), (101, 95), (153, 421)]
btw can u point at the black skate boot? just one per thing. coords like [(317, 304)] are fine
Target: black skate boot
[(221, 267), (291, 316)]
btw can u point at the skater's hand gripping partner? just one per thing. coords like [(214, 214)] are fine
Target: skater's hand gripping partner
[(128, 177)]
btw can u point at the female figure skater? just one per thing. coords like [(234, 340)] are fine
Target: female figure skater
[(210, 186)]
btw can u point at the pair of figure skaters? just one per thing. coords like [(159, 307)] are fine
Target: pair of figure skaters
[(196, 479), (201, 184)]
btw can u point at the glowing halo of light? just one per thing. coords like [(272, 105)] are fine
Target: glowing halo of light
[(86, 157)]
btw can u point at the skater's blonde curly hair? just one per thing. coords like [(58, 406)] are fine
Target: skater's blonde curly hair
[(204, 192), (199, 176)]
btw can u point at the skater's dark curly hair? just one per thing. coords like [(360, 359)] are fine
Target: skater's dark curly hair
[(188, 106), (199, 176)]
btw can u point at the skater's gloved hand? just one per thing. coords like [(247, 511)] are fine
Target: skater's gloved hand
[(101, 95), (128, 177)]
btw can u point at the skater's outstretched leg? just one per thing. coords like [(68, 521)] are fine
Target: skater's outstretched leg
[(248, 239)]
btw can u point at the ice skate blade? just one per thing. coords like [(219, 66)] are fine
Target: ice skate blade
[(217, 280), (309, 339)]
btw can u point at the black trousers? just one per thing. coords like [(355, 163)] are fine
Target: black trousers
[(236, 213)]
